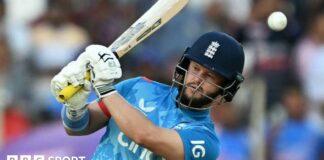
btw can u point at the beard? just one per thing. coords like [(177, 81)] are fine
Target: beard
[(196, 102)]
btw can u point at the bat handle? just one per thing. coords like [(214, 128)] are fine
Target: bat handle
[(67, 92)]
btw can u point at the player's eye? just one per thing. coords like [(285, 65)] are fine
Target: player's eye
[(211, 76), (195, 68)]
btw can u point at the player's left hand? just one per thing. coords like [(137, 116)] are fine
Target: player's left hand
[(74, 74), (105, 68)]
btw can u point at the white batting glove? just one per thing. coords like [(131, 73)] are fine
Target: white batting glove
[(105, 68), (74, 74)]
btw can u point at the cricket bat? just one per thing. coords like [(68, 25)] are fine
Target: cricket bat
[(153, 19)]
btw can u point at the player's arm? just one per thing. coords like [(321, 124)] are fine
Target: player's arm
[(161, 141), (191, 142), (79, 118), (97, 120)]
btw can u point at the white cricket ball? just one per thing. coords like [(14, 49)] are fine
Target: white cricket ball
[(277, 21)]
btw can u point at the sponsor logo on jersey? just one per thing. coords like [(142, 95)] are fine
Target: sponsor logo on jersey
[(198, 150), (147, 109), (180, 126), (145, 154)]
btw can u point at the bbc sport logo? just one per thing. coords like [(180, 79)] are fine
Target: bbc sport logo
[(43, 157)]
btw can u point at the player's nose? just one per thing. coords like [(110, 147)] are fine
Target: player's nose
[(197, 78)]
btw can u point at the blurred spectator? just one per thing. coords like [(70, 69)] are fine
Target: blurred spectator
[(13, 121), (56, 41), (105, 20), (5, 57), (5, 64), (295, 137), (321, 148), (216, 17), (232, 132), (267, 51), (309, 62), (227, 15), (4, 90), (237, 10), (2, 15), (16, 123), (309, 45), (305, 11), (17, 21)]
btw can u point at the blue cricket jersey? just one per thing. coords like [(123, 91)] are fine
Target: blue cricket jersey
[(157, 102)]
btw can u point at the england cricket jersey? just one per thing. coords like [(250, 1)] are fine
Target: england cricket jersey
[(157, 102)]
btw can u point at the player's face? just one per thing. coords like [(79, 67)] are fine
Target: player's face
[(200, 82)]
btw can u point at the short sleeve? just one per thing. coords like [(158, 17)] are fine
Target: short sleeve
[(199, 143), (123, 87)]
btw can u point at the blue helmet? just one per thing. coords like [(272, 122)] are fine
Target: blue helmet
[(221, 54)]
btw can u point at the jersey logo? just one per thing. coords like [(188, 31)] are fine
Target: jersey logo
[(180, 126), (198, 150), (212, 49), (144, 154), (141, 105)]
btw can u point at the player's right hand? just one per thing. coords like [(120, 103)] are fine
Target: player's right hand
[(105, 68), (72, 74)]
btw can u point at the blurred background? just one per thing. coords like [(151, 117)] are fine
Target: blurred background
[(278, 113)]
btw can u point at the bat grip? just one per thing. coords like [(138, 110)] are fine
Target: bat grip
[(67, 92)]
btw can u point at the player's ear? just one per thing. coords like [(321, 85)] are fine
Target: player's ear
[(184, 62), (232, 88), (218, 101)]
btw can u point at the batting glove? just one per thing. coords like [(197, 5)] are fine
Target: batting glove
[(104, 66), (74, 74)]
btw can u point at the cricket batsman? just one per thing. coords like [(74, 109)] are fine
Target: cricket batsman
[(148, 120)]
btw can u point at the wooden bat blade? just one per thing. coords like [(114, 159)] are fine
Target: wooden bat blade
[(158, 15)]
